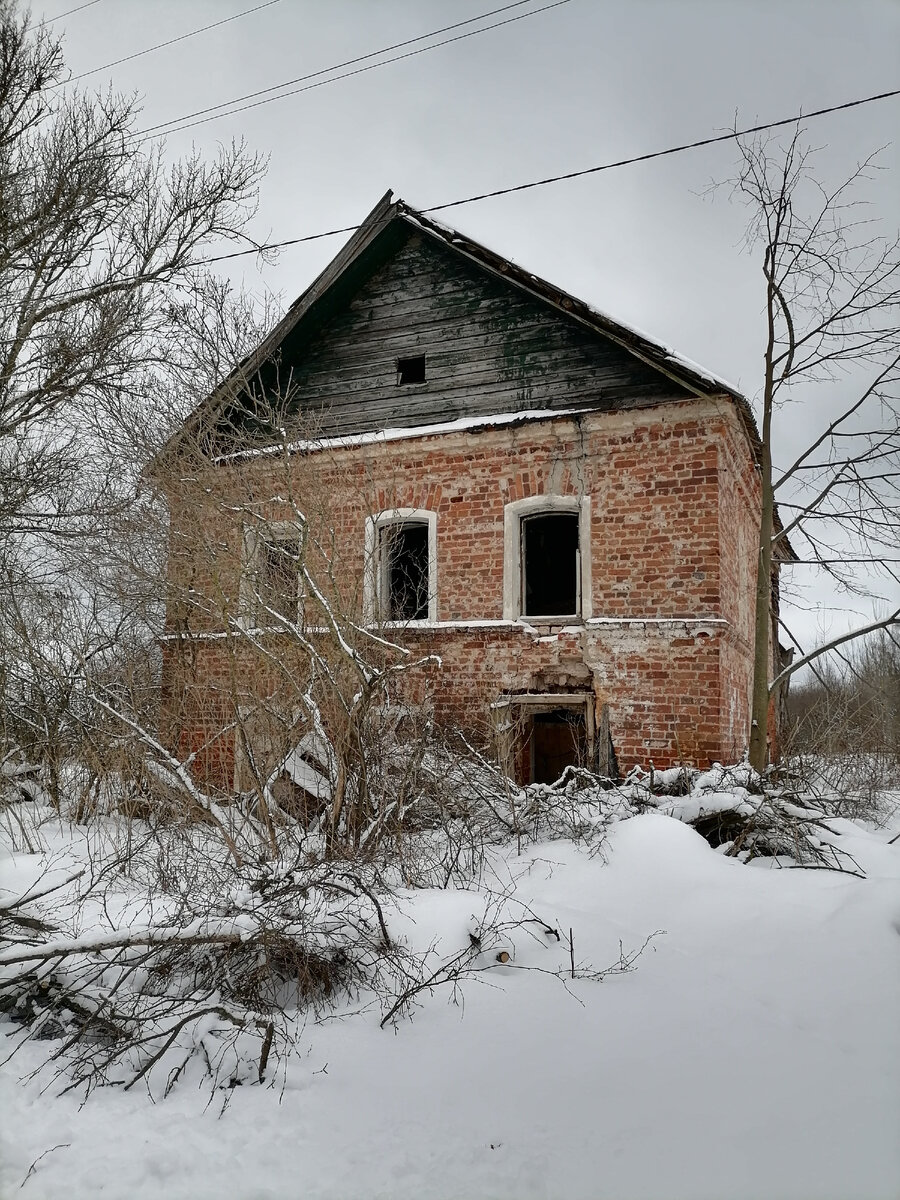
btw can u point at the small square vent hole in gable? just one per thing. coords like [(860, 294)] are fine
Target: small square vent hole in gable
[(411, 370)]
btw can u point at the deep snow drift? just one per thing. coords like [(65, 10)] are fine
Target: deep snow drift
[(753, 1050)]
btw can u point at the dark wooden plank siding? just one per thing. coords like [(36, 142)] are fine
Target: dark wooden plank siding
[(489, 348)]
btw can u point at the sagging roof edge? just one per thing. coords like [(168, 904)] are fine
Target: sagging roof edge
[(377, 220)]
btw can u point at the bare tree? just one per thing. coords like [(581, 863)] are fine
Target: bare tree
[(101, 251), (106, 316), (847, 718), (832, 310), (309, 691), (110, 328)]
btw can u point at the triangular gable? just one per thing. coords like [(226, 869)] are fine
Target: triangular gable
[(629, 368)]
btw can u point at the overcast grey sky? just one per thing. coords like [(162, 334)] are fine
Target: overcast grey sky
[(585, 82)]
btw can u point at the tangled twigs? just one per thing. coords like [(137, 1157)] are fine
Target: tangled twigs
[(491, 947), (228, 957)]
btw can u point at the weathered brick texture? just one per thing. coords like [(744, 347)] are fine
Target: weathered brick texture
[(673, 510)]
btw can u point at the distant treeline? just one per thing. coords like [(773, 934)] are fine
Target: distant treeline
[(852, 704)]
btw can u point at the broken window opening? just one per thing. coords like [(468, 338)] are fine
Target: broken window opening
[(411, 370), (551, 565), (279, 577), (404, 571)]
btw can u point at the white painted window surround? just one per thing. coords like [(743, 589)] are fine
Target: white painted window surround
[(513, 515), (373, 573), (255, 538)]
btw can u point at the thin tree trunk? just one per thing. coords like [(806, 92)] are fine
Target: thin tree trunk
[(759, 712)]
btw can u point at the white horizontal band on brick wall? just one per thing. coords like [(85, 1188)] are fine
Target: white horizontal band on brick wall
[(657, 621), (484, 623)]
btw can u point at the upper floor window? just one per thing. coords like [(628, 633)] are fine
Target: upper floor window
[(547, 573), (551, 565), (278, 577), (403, 569), (401, 566), (271, 577), (411, 370)]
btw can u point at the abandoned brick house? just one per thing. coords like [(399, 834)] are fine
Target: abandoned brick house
[(562, 510)]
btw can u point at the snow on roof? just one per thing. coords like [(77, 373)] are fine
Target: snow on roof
[(379, 436)]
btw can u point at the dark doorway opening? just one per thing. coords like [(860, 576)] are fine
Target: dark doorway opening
[(404, 571), (550, 565), (558, 740)]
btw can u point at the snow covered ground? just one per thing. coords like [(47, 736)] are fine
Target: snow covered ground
[(754, 1051)]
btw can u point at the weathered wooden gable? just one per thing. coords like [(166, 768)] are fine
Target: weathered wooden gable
[(489, 347)]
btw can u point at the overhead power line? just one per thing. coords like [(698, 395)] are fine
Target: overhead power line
[(521, 187), (710, 141), (609, 166), (186, 121), (171, 42), (70, 11)]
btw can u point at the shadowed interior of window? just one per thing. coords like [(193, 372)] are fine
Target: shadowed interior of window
[(279, 577), (404, 571), (550, 565), (411, 370)]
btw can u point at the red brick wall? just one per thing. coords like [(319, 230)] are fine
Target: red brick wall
[(673, 506)]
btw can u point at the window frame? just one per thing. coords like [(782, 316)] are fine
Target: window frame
[(373, 576), (256, 538), (514, 514)]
